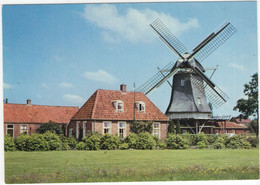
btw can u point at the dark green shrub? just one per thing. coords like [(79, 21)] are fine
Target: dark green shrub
[(9, 143), (159, 144), (201, 137), (91, 133), (51, 126), (178, 127), (72, 142), (131, 140), (225, 138), (22, 142), (254, 141), (145, 141), (171, 129), (123, 146), (81, 146), (218, 145), (175, 142), (190, 139), (238, 141), (201, 145), (53, 140), (138, 127), (109, 142), (211, 138), (92, 142), (37, 142)]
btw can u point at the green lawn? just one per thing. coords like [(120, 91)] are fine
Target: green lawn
[(130, 165)]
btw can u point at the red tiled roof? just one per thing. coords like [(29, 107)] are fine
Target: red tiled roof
[(24, 113), (231, 125), (99, 106), (241, 121)]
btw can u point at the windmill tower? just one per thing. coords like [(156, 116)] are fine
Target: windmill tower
[(192, 90)]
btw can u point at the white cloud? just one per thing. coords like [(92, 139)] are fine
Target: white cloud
[(134, 24), (44, 85), (101, 76), (73, 98), (65, 85), (7, 86), (237, 66)]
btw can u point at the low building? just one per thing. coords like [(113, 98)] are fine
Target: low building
[(230, 128), (26, 118), (113, 111), (241, 121)]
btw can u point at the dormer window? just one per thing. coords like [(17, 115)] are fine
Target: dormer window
[(140, 106), (118, 105)]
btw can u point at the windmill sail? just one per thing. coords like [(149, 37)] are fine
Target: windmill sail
[(168, 38), (158, 79), (213, 41)]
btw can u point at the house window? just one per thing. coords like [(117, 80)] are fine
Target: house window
[(121, 129), (118, 105), (107, 127), (70, 131), (182, 82), (23, 129), (10, 130), (140, 106), (156, 129)]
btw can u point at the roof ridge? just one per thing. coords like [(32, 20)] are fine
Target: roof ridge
[(41, 105), (95, 103)]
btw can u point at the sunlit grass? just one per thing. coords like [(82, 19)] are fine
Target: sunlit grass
[(130, 165)]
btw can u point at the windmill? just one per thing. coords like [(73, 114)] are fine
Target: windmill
[(192, 90)]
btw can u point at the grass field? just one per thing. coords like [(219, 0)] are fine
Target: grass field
[(130, 165)]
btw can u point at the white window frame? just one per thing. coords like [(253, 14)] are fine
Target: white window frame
[(70, 131), (21, 132), (124, 129), (159, 129), (138, 104), (116, 105), (10, 129), (199, 100), (110, 127)]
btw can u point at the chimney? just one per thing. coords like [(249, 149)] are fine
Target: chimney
[(123, 88), (28, 102)]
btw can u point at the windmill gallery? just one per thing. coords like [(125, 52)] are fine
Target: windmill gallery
[(192, 98)]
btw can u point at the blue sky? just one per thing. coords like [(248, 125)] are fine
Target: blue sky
[(61, 54)]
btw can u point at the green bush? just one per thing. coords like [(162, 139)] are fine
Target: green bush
[(123, 146), (131, 140), (201, 145), (225, 138), (145, 141), (37, 142), (201, 137), (109, 142), (211, 138), (72, 142), (175, 142), (53, 140), (9, 143), (91, 133), (159, 143), (22, 142), (254, 141), (50, 126), (238, 141), (218, 145), (81, 146), (92, 141)]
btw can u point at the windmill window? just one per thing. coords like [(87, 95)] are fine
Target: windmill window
[(182, 82), (121, 129), (10, 130), (118, 105), (107, 128), (156, 129), (199, 101), (140, 106), (23, 129)]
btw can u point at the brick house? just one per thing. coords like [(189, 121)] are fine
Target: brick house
[(112, 112), (21, 118), (230, 128), (240, 121)]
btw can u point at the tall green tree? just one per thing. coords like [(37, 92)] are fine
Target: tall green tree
[(171, 129), (50, 126), (249, 106), (178, 128)]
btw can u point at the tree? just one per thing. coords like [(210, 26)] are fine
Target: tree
[(178, 128), (138, 127), (249, 107), (50, 126), (171, 129)]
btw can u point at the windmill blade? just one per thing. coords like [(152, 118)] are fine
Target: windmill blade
[(168, 38), (158, 79), (213, 41), (213, 93)]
